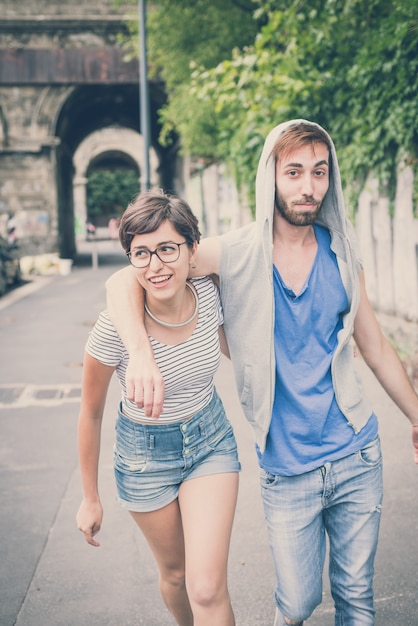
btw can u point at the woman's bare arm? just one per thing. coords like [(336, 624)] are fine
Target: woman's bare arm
[(125, 305), (96, 379)]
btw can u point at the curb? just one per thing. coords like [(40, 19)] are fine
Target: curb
[(18, 293)]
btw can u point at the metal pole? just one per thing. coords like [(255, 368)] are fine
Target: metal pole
[(143, 95)]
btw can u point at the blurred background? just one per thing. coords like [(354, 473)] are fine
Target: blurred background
[(99, 100), (102, 99)]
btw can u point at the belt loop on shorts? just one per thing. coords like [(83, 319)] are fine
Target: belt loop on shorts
[(202, 428), (151, 442)]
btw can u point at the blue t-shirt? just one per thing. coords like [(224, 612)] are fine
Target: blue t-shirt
[(307, 427)]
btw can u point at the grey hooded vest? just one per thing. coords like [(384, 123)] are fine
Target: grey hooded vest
[(246, 286)]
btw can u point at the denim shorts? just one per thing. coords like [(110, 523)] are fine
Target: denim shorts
[(151, 461)]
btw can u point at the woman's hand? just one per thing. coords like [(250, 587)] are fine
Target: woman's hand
[(89, 520)]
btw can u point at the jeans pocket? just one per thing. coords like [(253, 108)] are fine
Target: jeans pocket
[(371, 454), (129, 450), (267, 479)]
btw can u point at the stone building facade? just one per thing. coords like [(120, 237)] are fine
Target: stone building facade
[(68, 98), (68, 95)]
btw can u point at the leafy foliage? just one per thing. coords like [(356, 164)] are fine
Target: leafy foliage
[(109, 192), (350, 65), (183, 33)]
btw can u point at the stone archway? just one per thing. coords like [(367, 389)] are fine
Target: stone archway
[(109, 109), (111, 139), (63, 77)]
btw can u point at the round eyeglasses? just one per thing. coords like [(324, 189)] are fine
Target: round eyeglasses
[(166, 252)]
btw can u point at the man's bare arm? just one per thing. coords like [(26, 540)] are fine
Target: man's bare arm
[(125, 305), (208, 258), (383, 360)]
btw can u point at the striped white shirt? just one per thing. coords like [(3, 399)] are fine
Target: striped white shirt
[(187, 368)]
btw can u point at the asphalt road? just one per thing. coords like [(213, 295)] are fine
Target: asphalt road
[(49, 576)]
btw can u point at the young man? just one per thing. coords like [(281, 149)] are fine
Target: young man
[(297, 272)]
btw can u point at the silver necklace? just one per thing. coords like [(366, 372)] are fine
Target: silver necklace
[(180, 324)]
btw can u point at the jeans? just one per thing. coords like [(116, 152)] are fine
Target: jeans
[(342, 499)]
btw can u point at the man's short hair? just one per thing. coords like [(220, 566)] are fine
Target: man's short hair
[(298, 136)]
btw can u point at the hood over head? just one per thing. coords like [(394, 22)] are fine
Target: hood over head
[(332, 213)]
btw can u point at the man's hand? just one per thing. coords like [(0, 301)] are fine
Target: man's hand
[(145, 385)]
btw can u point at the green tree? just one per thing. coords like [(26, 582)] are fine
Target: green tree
[(351, 66), (231, 74), (109, 192), (183, 35)]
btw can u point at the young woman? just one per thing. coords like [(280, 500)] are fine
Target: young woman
[(177, 475)]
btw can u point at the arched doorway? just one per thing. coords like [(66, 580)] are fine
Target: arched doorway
[(95, 120), (112, 150)]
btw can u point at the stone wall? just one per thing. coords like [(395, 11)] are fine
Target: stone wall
[(37, 9), (388, 238), (64, 77), (27, 165)]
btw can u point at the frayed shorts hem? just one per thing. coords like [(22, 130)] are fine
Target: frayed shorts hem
[(169, 497)]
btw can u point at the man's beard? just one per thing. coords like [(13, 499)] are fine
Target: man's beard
[(294, 217)]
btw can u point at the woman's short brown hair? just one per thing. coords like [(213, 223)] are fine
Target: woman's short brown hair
[(149, 210)]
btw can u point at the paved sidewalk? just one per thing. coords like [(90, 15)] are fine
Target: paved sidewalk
[(49, 576)]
